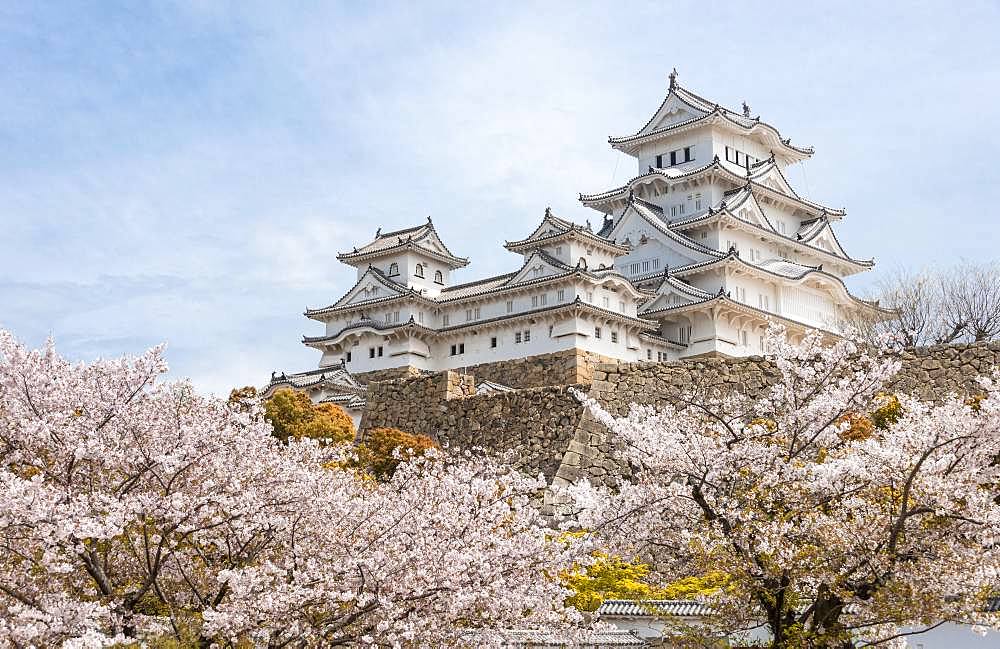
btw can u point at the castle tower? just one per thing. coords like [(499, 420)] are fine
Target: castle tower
[(720, 235)]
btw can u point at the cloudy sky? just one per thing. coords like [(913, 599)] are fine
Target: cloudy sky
[(187, 172)]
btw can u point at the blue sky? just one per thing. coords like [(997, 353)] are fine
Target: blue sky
[(186, 172)]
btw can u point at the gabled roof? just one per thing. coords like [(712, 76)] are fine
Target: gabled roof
[(373, 275), (729, 209), (612, 198), (652, 216), (782, 268), (553, 229), (422, 238), (344, 388), (670, 286), (702, 111)]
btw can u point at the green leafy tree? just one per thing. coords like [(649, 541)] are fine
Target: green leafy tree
[(609, 577), (294, 415)]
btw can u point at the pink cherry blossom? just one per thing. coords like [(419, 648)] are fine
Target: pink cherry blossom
[(132, 508), (824, 532)]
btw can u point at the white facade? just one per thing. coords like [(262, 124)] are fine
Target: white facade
[(696, 255)]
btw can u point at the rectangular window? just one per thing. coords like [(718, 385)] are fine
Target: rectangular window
[(493, 342), (510, 306), (656, 263), (561, 295), (764, 302), (597, 332), (673, 210), (544, 299), (517, 336), (371, 352), (558, 250), (444, 319), (395, 316), (649, 354), (659, 161), (380, 351), (420, 317), (461, 348), (621, 306), (680, 208), (590, 297), (743, 337), (468, 315), (606, 302), (534, 300), (348, 357), (704, 235), (478, 313), (527, 335), (687, 154), (454, 350), (614, 336), (673, 158)]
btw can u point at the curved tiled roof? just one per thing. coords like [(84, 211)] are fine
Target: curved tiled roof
[(382, 278), (387, 242), (715, 165), (814, 228), (654, 219), (653, 608), (710, 111)]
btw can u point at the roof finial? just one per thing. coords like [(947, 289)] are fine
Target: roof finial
[(428, 218), (673, 78), (548, 211), (746, 109), (378, 233)]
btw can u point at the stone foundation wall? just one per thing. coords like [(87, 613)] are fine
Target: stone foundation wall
[(553, 434), (558, 368), (927, 372), (536, 424), (390, 374)]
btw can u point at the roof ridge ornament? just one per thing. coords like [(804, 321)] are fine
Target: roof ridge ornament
[(548, 212), (673, 79), (378, 233), (746, 109)]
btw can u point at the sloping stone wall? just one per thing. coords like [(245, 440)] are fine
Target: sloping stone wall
[(552, 433), (536, 424), (928, 373)]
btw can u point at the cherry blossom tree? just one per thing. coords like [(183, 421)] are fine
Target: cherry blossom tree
[(837, 514), (132, 509)]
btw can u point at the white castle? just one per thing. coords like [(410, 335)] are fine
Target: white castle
[(696, 255)]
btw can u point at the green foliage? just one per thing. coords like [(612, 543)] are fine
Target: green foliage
[(608, 578), (293, 415), (375, 453), (696, 586), (888, 412)]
